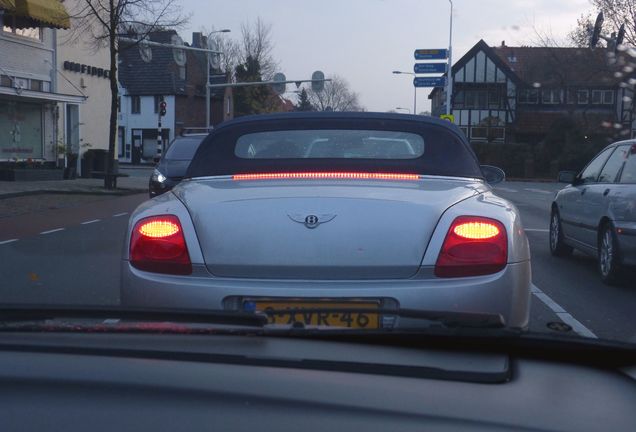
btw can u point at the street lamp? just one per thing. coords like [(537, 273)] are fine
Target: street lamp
[(207, 84), (405, 109), (414, 88)]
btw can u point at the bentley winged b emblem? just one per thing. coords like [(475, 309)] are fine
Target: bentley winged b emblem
[(311, 220)]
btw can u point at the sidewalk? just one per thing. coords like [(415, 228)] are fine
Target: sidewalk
[(125, 186)]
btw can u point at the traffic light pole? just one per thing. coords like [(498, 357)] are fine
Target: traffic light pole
[(159, 139), (449, 72)]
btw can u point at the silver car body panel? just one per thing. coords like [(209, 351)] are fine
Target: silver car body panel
[(506, 292), (583, 208)]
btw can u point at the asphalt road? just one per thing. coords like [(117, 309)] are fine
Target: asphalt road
[(70, 255)]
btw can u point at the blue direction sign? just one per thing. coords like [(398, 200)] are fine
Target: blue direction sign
[(429, 82), (431, 54), (429, 68)]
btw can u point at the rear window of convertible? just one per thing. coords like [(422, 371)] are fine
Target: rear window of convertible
[(317, 144), (330, 144)]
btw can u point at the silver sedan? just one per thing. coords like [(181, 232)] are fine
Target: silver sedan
[(331, 210), (596, 213)]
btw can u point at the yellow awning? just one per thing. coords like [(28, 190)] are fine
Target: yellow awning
[(44, 13)]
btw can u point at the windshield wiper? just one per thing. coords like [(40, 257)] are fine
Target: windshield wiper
[(447, 319), (21, 313)]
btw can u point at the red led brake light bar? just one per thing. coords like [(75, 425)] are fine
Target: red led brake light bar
[(326, 175)]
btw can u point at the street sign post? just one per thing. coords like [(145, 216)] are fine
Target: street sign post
[(429, 81), (431, 54), (429, 68)]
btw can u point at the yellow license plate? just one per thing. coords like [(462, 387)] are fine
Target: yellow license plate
[(321, 313)]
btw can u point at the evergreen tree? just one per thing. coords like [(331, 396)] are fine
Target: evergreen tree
[(303, 102), (253, 99)]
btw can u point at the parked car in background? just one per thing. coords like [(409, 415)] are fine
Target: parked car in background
[(173, 165), (308, 211), (596, 213)]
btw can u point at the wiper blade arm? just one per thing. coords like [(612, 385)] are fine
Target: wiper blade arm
[(17, 313)]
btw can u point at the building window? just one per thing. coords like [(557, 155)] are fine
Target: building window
[(36, 85), (597, 97), (528, 96), (8, 24), (135, 105), (458, 99), (479, 132), (571, 96), (495, 99), (583, 97), (551, 96), (5, 81), (118, 103), (464, 130), (608, 97)]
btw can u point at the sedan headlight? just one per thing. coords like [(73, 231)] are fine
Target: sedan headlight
[(157, 176)]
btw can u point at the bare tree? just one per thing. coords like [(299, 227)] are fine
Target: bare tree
[(616, 13), (105, 21), (336, 96), (255, 42), (229, 48)]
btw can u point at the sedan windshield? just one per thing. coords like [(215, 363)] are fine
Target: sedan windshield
[(183, 148), (369, 165)]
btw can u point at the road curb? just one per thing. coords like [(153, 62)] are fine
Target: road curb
[(119, 192)]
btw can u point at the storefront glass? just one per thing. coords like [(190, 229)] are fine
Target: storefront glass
[(20, 130)]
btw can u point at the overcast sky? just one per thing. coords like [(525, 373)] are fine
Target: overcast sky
[(364, 40)]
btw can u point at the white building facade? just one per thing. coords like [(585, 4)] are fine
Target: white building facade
[(83, 70), (29, 94)]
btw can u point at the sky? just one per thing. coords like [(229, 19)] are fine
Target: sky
[(363, 41)]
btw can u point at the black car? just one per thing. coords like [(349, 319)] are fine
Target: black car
[(173, 165)]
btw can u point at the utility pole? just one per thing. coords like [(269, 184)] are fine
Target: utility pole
[(449, 73)]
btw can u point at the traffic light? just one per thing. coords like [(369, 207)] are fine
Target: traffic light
[(162, 108)]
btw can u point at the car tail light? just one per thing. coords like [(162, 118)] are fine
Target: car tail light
[(157, 245), (473, 246), (327, 176)]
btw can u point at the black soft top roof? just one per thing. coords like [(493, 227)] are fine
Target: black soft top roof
[(447, 152)]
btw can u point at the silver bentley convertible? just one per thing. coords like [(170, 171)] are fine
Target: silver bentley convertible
[(315, 212)]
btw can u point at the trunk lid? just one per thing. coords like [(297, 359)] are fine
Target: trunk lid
[(365, 229)]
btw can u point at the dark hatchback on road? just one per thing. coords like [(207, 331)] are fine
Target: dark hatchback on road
[(173, 165)]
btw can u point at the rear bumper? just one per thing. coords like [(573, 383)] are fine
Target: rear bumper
[(506, 293)]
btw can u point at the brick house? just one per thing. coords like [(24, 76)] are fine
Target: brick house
[(147, 78)]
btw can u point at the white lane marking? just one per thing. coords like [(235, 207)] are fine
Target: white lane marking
[(52, 231), (562, 313), (505, 189), (120, 214), (536, 230), (8, 241), (90, 221), (537, 190), (576, 325)]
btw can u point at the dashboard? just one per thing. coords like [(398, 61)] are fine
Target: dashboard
[(158, 382)]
